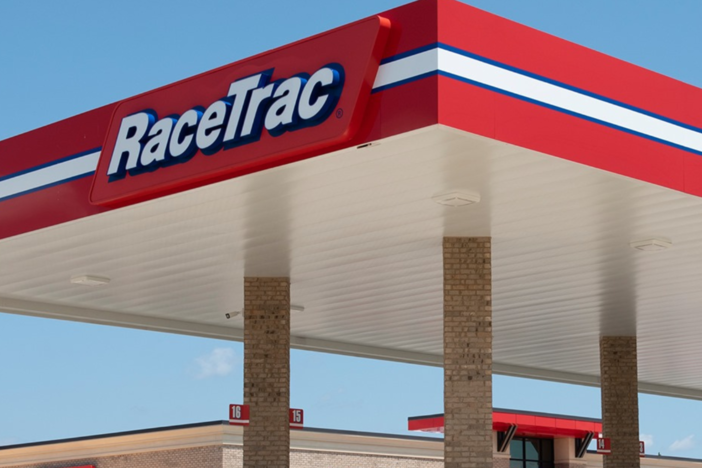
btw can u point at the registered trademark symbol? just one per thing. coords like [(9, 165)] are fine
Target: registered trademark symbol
[(339, 113)]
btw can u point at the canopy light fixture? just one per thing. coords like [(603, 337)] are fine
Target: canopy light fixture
[(655, 244), (456, 198), (90, 280), (296, 308)]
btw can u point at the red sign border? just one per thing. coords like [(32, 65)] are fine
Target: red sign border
[(167, 186)]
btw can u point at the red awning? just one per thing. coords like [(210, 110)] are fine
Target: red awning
[(528, 424)]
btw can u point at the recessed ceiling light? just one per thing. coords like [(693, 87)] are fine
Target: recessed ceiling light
[(456, 198), (655, 244), (90, 280)]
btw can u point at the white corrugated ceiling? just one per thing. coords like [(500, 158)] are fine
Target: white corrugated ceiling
[(360, 237)]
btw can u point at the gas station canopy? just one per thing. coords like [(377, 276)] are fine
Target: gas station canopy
[(586, 172)]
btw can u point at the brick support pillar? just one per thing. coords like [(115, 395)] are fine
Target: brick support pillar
[(467, 352), (267, 372), (620, 400)]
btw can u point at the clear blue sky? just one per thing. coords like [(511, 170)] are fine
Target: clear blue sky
[(62, 379)]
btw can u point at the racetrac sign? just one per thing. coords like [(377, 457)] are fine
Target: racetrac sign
[(274, 108), (145, 143)]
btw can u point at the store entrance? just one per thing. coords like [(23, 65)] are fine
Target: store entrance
[(531, 452)]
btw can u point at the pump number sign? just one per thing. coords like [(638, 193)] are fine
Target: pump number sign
[(604, 446), (239, 416), (297, 418)]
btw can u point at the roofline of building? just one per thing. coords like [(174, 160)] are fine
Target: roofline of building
[(661, 457), (211, 423), (438, 439)]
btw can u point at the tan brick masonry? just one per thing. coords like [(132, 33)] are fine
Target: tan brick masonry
[(468, 352), (620, 401), (267, 372), (210, 456)]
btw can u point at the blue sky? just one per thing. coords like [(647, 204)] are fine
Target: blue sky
[(63, 379)]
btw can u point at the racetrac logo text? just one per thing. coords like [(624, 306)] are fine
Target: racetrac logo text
[(145, 143)]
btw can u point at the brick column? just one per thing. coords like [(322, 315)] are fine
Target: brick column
[(467, 352), (620, 400), (267, 372)]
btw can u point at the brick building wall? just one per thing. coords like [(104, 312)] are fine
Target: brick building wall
[(313, 459), (223, 449), (232, 457), (196, 457)]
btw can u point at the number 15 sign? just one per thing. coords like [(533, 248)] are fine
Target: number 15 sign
[(239, 416)]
